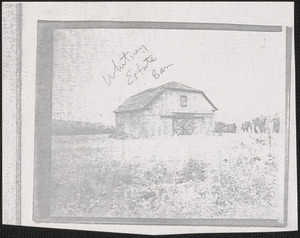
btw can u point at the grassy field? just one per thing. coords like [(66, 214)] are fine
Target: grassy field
[(229, 176)]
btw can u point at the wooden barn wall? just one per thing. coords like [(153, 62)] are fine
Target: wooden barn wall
[(151, 121), (169, 102), (139, 124), (128, 123)]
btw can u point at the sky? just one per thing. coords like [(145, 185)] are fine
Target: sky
[(96, 70)]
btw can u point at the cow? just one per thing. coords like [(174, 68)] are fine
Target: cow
[(221, 127), (259, 124), (247, 126)]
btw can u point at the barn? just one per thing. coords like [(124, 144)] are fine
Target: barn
[(169, 109)]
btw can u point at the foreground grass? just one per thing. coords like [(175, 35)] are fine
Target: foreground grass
[(234, 176)]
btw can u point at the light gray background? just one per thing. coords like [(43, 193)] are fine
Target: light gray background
[(241, 72)]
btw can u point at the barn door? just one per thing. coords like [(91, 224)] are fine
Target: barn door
[(183, 126)]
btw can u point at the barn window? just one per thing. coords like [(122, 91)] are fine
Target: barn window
[(183, 100)]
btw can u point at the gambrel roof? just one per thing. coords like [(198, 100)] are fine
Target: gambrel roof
[(144, 99)]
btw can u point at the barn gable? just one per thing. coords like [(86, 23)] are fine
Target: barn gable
[(170, 109), (173, 101), (144, 99)]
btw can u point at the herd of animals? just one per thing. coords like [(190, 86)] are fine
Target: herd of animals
[(221, 127), (262, 124)]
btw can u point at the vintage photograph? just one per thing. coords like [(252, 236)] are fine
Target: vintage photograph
[(167, 123), (152, 118)]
